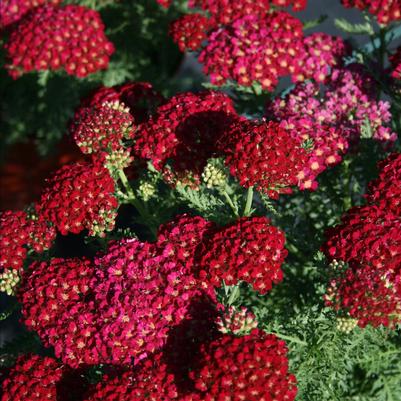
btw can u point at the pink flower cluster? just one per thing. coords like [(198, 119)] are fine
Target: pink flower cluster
[(222, 12), (247, 43), (20, 232), (266, 156), (80, 196), (52, 38), (251, 250), (386, 11), (334, 119), (369, 240), (11, 11)]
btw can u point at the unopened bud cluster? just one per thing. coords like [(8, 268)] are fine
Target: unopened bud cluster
[(346, 324), (9, 280), (237, 321), (213, 176), (147, 190)]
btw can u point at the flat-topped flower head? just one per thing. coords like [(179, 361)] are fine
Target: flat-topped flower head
[(252, 368), (80, 196), (250, 250), (71, 38)]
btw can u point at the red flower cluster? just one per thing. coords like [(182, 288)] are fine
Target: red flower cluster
[(18, 232), (11, 11), (266, 156), (102, 128), (56, 304), (50, 38), (80, 196), (251, 249), (184, 234), (252, 368), (386, 10), (186, 129), (386, 190), (189, 31), (32, 378), (369, 240), (139, 97)]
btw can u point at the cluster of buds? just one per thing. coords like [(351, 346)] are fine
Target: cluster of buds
[(9, 280), (146, 190), (346, 324), (237, 321), (213, 176)]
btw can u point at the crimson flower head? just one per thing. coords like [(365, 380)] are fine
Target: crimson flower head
[(369, 290), (80, 196), (252, 368), (52, 38), (11, 11), (34, 378), (102, 128), (385, 191), (250, 249), (266, 156), (20, 232), (189, 31), (186, 130), (62, 313)]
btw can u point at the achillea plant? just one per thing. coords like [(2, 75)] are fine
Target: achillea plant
[(210, 245)]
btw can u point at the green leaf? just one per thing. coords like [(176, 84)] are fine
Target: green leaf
[(355, 29)]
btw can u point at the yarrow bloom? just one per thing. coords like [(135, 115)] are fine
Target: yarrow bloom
[(253, 367), (223, 12), (266, 156), (346, 111), (139, 97), (186, 130), (20, 232), (386, 11), (248, 43), (52, 38), (250, 249), (34, 378), (11, 11), (102, 128), (189, 31), (369, 240), (54, 303), (142, 292), (385, 191), (80, 196)]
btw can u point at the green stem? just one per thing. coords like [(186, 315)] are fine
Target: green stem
[(136, 202), (249, 199), (230, 202), (234, 295)]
